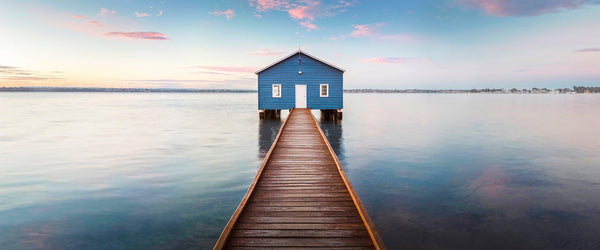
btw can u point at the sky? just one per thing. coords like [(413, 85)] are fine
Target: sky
[(426, 44)]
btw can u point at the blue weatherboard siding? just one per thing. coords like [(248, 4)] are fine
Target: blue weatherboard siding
[(314, 73)]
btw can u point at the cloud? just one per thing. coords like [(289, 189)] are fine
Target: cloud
[(141, 15), (305, 11), (587, 50), (9, 73), (97, 24), (229, 69), (309, 25), (139, 35), (263, 5), (90, 21), (266, 52), (227, 13), (361, 30), (160, 13), (504, 8), (105, 11), (373, 31), (258, 15), (396, 60), (28, 78)]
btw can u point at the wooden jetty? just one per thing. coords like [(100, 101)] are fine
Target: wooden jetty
[(300, 197)]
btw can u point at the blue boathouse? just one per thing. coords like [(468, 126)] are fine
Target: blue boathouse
[(300, 80)]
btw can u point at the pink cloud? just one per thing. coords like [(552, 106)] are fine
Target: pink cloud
[(263, 5), (267, 52), (396, 60), (258, 15), (372, 31), (504, 8), (362, 30), (227, 13), (160, 13), (141, 15), (309, 26), (139, 35), (105, 11), (309, 10), (305, 11), (229, 69), (90, 21), (587, 50), (97, 24)]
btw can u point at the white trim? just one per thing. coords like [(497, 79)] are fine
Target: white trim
[(299, 52), (321, 90), (273, 90)]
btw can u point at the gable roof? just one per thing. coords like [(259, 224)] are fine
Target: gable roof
[(303, 53)]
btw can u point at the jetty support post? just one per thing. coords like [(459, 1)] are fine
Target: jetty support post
[(331, 114), (270, 114)]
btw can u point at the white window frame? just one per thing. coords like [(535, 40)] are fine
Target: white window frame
[(273, 90), (321, 90)]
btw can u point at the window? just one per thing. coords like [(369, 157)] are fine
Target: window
[(276, 90), (324, 90)]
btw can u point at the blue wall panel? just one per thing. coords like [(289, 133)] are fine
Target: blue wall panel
[(314, 73)]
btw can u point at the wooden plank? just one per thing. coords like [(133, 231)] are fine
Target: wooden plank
[(298, 178), (330, 233), (307, 226), (291, 182), (301, 242), (300, 248), (345, 198), (302, 172), (280, 191), (286, 184), (302, 220), (301, 203), (280, 194), (300, 209), (301, 213), (338, 188)]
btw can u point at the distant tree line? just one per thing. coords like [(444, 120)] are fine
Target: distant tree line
[(581, 89), (576, 89)]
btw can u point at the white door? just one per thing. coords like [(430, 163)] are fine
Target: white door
[(300, 96)]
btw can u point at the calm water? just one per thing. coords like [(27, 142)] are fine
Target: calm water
[(166, 170)]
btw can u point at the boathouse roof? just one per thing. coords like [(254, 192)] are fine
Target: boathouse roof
[(303, 53)]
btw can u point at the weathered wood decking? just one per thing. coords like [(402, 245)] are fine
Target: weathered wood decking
[(300, 197)]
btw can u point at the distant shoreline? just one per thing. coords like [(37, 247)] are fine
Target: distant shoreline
[(574, 90)]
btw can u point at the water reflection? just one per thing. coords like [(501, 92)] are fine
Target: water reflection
[(267, 132), (333, 131)]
